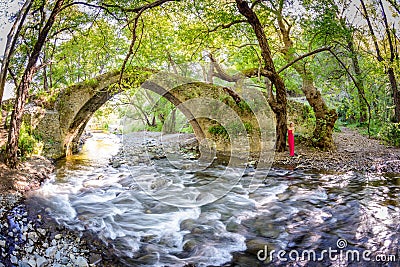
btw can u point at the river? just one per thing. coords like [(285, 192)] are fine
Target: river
[(292, 212)]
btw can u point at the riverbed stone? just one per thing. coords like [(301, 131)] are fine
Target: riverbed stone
[(23, 264), (187, 224), (81, 262), (57, 255), (33, 236), (256, 244), (41, 261), (13, 259), (29, 249), (51, 251), (2, 243), (189, 245), (58, 236), (42, 231), (64, 260)]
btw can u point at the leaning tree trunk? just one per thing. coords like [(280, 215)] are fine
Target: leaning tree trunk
[(23, 88), (325, 118), (278, 105)]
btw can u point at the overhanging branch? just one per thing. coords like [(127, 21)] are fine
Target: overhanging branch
[(227, 26), (304, 56), (356, 84)]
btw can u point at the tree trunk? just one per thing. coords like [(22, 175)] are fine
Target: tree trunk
[(16, 119), (396, 94), (278, 105), (23, 89), (325, 118), (169, 126), (10, 45), (390, 71), (360, 84)]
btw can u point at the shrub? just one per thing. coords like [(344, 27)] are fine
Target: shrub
[(218, 130), (390, 133), (234, 128), (26, 143)]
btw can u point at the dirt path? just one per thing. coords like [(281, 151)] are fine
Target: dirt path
[(354, 152)]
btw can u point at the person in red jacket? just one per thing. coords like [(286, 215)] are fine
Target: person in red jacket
[(291, 138)]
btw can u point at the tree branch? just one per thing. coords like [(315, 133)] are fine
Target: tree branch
[(141, 8), (93, 6), (371, 29), (226, 26), (395, 5), (221, 73), (304, 56), (134, 34), (387, 29), (356, 84)]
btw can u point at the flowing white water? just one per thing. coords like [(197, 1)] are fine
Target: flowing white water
[(109, 202), (292, 209)]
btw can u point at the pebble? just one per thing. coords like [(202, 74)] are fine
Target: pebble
[(64, 260), (33, 236), (41, 261), (58, 236), (42, 231), (23, 264), (58, 255), (2, 243), (13, 259), (32, 262), (81, 262), (51, 251), (29, 250)]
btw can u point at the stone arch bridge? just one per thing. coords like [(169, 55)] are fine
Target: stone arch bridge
[(60, 128)]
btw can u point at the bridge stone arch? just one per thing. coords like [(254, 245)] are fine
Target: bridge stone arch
[(62, 127)]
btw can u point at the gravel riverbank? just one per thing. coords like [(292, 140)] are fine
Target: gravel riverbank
[(28, 237), (354, 152)]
